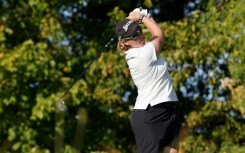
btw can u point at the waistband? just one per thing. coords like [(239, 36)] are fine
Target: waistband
[(171, 104)]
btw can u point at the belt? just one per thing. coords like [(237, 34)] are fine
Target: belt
[(171, 104)]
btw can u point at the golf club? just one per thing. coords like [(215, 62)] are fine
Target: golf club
[(61, 105)]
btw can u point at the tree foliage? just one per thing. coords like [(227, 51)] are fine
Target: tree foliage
[(207, 56), (44, 45)]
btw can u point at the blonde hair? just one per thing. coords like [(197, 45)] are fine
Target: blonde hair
[(122, 47)]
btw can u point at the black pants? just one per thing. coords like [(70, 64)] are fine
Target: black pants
[(156, 127)]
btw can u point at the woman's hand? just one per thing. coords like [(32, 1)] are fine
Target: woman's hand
[(135, 16)]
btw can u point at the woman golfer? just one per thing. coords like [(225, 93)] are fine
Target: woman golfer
[(154, 120)]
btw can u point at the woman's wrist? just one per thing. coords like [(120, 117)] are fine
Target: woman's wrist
[(141, 17), (148, 15)]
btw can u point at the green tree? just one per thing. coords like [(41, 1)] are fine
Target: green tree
[(44, 45), (207, 59)]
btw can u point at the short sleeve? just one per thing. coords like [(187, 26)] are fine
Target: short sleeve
[(148, 53)]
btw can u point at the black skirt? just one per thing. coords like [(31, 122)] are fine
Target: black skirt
[(156, 127)]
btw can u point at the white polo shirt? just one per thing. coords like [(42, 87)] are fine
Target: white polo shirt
[(150, 74)]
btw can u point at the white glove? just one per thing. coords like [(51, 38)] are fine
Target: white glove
[(142, 11), (136, 10)]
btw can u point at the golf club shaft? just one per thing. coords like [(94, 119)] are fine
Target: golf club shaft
[(88, 66)]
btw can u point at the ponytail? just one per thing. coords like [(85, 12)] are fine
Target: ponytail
[(122, 47)]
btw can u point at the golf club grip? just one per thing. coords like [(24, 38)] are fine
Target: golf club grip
[(139, 4)]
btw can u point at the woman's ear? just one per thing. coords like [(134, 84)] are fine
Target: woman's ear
[(126, 42)]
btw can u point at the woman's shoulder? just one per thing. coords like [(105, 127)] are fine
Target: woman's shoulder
[(149, 44)]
